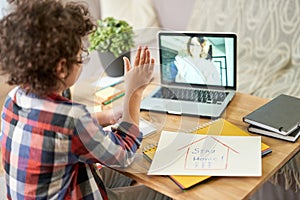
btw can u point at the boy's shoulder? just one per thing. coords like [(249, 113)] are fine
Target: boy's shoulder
[(59, 106)]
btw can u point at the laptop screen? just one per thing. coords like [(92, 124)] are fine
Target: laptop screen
[(198, 59)]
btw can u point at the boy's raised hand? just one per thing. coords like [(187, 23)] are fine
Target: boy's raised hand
[(138, 76)]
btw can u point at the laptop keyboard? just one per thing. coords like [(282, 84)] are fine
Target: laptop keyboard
[(203, 96)]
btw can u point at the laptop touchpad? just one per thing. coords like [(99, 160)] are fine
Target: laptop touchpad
[(174, 108)]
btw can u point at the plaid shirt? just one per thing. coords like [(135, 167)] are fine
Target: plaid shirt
[(50, 144)]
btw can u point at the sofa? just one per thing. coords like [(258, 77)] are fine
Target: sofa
[(268, 49)]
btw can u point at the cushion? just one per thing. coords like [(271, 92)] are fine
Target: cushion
[(173, 14)]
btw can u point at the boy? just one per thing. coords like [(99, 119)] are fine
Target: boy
[(48, 142)]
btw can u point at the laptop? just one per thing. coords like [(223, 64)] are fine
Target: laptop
[(192, 81)]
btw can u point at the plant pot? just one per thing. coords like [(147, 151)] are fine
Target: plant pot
[(113, 66)]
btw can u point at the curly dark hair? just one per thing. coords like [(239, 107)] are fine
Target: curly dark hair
[(35, 36)]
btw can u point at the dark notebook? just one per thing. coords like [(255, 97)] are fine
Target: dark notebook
[(280, 115)]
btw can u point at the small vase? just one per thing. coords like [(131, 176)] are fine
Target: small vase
[(113, 66)]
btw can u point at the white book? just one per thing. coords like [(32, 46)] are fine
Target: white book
[(292, 137)]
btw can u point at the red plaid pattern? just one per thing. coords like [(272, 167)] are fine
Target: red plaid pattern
[(49, 146)]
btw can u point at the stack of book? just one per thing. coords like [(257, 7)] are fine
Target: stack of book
[(279, 118)]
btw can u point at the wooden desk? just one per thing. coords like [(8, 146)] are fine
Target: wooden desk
[(215, 187)]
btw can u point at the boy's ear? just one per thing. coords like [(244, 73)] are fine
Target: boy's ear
[(61, 69)]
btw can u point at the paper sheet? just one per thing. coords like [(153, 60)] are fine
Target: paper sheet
[(146, 127), (108, 81), (207, 155)]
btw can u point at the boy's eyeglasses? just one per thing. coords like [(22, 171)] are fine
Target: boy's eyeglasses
[(84, 57)]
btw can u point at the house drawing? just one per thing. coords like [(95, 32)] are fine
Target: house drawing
[(207, 153)]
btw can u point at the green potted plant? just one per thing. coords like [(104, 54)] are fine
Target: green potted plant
[(113, 39)]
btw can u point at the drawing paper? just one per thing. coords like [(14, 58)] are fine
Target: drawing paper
[(193, 154)]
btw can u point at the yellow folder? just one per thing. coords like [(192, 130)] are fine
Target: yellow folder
[(216, 127)]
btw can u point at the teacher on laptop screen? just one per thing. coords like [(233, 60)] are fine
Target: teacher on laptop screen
[(195, 65), (198, 73)]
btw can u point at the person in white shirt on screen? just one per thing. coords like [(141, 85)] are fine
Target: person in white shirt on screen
[(197, 66)]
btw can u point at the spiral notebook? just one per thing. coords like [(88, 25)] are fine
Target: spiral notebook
[(216, 127)]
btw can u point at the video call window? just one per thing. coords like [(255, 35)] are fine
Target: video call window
[(197, 60)]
